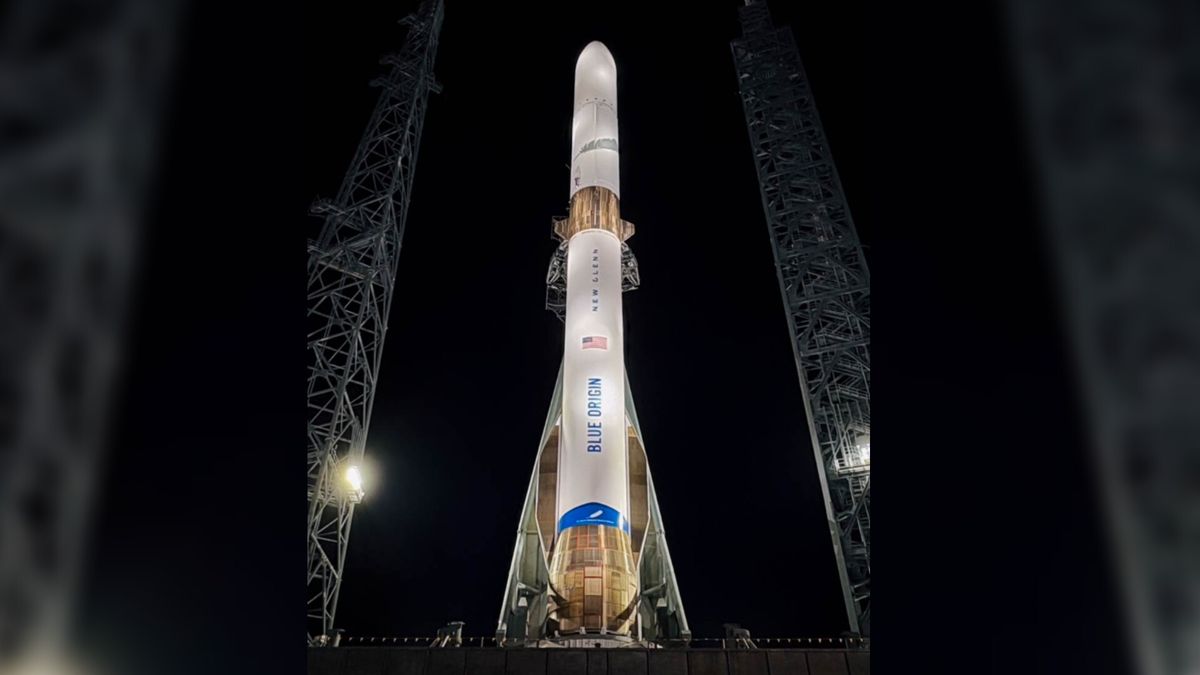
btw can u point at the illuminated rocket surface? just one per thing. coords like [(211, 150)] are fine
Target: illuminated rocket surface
[(592, 568), (592, 468)]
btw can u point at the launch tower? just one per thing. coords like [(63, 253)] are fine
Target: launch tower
[(351, 275), (825, 284), (82, 106)]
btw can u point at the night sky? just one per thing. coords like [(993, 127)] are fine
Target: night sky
[(472, 354), (986, 545)]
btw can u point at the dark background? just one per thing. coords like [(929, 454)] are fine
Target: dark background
[(472, 354), (986, 545)]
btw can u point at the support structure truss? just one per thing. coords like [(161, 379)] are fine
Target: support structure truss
[(82, 90), (351, 275), (1110, 100), (825, 283), (556, 275)]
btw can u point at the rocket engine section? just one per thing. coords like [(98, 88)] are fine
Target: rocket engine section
[(593, 577)]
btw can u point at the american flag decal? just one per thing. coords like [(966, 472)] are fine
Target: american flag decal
[(595, 342)]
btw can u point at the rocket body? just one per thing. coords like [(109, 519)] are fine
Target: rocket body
[(593, 477), (593, 577)]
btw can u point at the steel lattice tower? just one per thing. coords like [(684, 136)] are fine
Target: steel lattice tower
[(825, 284), (351, 275), (1111, 119), (82, 91)]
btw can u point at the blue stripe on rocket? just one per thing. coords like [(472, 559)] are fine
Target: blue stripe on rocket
[(593, 513)]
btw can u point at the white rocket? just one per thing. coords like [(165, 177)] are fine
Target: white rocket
[(592, 472), (592, 567)]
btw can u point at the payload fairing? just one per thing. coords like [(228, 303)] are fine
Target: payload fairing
[(591, 556)]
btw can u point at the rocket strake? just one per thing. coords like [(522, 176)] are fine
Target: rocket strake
[(593, 577)]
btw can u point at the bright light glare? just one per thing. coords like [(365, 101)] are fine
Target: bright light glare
[(864, 448), (42, 664), (354, 478)]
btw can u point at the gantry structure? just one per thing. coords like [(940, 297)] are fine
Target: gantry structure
[(351, 276), (83, 92), (825, 284), (1113, 138)]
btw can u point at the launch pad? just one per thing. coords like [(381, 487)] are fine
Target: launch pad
[(379, 659)]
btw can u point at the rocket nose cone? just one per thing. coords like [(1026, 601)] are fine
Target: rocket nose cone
[(595, 75), (595, 49)]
